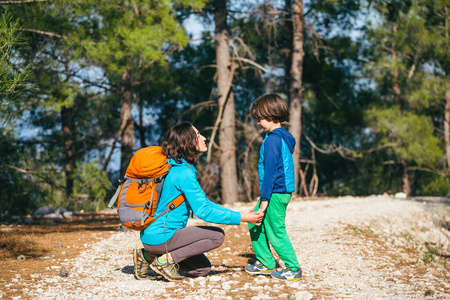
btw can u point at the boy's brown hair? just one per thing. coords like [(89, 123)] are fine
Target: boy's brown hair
[(271, 108), (181, 142)]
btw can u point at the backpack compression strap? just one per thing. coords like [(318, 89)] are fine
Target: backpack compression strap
[(144, 181), (171, 206)]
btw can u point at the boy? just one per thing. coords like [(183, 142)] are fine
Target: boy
[(277, 182)]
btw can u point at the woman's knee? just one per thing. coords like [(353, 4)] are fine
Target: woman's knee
[(215, 234), (218, 237)]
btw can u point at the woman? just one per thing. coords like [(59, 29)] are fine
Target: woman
[(168, 237)]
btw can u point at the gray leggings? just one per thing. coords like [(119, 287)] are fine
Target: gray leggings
[(187, 246)]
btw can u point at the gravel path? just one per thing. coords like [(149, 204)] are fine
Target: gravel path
[(349, 248)]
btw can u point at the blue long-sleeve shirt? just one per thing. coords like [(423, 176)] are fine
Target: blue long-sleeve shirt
[(182, 179), (276, 166)]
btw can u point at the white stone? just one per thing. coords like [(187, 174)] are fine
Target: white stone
[(304, 295), (214, 278), (400, 195), (226, 286)]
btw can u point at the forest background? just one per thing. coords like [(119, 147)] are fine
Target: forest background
[(84, 85)]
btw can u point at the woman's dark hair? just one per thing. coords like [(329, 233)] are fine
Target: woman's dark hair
[(181, 142), (271, 108)]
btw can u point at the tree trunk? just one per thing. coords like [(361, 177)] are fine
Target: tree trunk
[(406, 182), (288, 51), (127, 141), (395, 85), (295, 88), (228, 171), (68, 141), (141, 126), (447, 127), (397, 97)]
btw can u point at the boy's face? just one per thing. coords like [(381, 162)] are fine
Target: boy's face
[(266, 125)]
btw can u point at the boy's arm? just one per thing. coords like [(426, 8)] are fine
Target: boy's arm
[(272, 150)]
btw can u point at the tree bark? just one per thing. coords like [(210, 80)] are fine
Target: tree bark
[(127, 141), (66, 115), (295, 89), (288, 51), (406, 182), (447, 127), (141, 126), (395, 85), (68, 141), (397, 97), (228, 170)]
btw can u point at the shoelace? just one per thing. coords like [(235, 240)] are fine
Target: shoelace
[(174, 267)]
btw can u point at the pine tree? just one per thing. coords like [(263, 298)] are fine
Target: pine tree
[(15, 78), (400, 70)]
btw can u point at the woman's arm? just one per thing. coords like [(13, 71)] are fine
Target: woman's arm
[(207, 210), (186, 182)]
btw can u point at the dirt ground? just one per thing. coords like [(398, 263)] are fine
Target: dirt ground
[(349, 248), (46, 247), (36, 249)]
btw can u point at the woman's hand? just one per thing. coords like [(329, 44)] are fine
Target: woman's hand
[(252, 217)]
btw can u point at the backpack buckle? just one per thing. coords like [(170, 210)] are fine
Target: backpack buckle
[(143, 182)]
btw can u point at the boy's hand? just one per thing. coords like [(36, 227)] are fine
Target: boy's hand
[(263, 207), (252, 217)]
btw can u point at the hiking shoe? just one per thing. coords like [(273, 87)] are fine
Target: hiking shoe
[(258, 268), (287, 274), (141, 265), (168, 270)]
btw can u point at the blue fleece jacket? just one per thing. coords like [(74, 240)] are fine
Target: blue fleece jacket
[(182, 179), (276, 166)]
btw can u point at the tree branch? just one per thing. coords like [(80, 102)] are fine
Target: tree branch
[(52, 34), (258, 12), (43, 177), (22, 2), (413, 68), (200, 106), (428, 170), (96, 84), (219, 115), (337, 149), (119, 134), (251, 62)]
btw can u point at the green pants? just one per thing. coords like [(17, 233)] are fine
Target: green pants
[(273, 230)]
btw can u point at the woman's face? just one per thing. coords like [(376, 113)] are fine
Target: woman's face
[(201, 141)]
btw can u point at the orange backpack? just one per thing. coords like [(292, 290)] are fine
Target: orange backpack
[(139, 191)]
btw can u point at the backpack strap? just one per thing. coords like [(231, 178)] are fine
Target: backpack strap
[(172, 205), (116, 194), (175, 202)]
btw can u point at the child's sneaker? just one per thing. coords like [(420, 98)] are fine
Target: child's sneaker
[(258, 268), (287, 274)]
